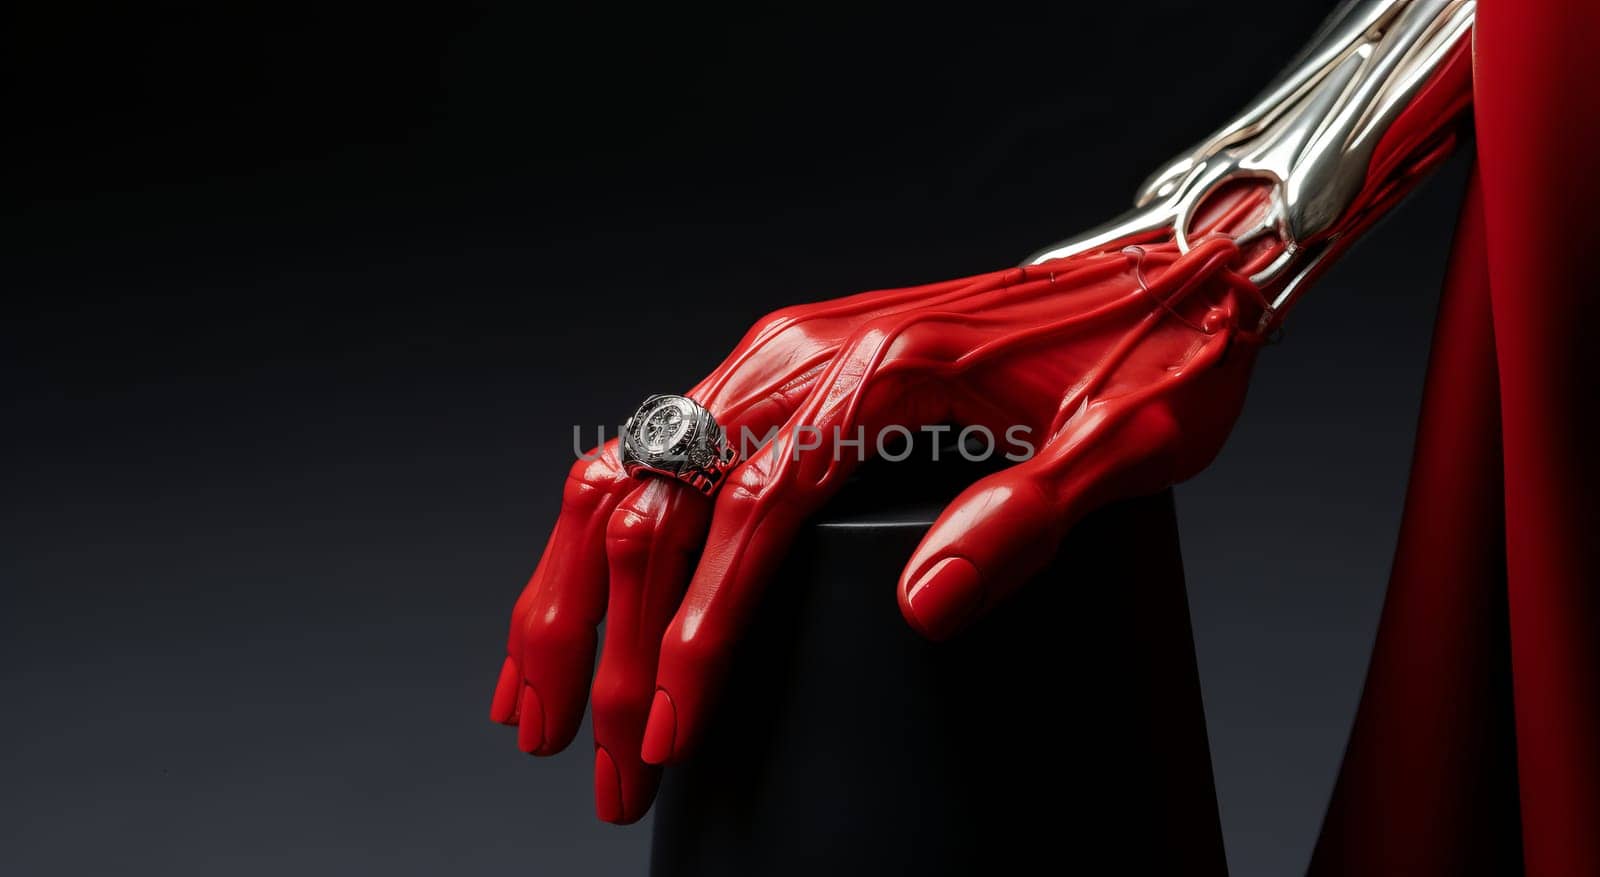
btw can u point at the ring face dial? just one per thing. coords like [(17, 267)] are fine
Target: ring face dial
[(676, 437), (665, 427)]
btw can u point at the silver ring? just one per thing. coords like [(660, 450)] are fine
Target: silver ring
[(676, 437)]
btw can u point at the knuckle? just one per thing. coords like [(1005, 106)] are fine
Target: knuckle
[(691, 651), (915, 336), (777, 322), (598, 465), (547, 632), (630, 532), (588, 484), (746, 488), (618, 697), (879, 328), (630, 522), (783, 326), (897, 339), (922, 339)]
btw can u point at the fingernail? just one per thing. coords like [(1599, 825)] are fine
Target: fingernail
[(945, 598), (503, 709), (607, 787), (530, 726), (659, 730)]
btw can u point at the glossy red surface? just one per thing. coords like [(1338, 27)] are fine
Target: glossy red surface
[(1538, 115), (1477, 746), (1126, 368)]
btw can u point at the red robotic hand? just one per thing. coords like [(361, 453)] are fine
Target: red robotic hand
[(1123, 362), (1124, 368)]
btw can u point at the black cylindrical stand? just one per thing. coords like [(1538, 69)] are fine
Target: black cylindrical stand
[(1065, 730)]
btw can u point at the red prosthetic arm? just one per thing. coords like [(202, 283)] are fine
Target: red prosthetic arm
[(1127, 369), (1123, 362)]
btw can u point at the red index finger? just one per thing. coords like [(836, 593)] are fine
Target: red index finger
[(869, 385)]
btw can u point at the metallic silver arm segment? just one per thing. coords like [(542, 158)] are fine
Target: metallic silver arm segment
[(1311, 135)]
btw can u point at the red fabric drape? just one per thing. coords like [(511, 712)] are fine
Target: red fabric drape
[(1537, 92), (1429, 781), (1476, 749)]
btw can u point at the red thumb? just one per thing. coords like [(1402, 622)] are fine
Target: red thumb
[(1005, 528)]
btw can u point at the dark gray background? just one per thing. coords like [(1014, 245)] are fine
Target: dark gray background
[(302, 301)]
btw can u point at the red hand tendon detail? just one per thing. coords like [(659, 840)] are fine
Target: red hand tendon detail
[(1127, 373)]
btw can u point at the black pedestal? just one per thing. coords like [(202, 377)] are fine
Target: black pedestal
[(1065, 730)]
